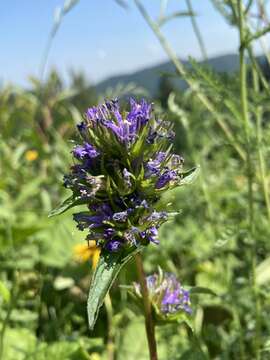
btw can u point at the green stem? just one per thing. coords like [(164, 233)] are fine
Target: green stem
[(240, 333), (196, 30), (110, 341), (258, 115), (256, 66), (244, 111), (258, 34), (149, 323)]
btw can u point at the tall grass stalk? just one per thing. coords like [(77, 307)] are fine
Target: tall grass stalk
[(58, 18), (196, 30)]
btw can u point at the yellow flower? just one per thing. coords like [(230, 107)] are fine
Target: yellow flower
[(84, 252), (31, 155)]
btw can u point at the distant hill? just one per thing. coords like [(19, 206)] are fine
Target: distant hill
[(149, 78)]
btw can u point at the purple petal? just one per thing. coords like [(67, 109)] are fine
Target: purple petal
[(114, 245), (166, 177)]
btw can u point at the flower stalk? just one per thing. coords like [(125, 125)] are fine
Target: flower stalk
[(149, 322)]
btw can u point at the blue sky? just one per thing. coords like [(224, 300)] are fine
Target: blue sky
[(99, 37)]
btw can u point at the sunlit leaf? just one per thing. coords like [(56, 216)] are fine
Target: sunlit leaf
[(263, 272), (106, 271)]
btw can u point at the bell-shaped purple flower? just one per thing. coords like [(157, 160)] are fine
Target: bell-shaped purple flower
[(114, 245), (165, 178), (166, 292), (85, 151), (153, 167)]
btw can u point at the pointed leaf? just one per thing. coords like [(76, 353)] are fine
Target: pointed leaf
[(67, 204), (106, 271), (190, 176)]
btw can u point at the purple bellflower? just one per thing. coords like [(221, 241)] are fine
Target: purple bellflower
[(166, 293)]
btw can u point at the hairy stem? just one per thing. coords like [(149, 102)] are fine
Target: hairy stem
[(149, 323)]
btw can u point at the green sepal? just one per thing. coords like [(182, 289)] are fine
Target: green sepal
[(178, 317), (105, 273)]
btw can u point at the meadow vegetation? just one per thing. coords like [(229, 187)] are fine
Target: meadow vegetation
[(219, 241)]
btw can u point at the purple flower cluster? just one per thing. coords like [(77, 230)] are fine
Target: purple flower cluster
[(122, 165), (166, 293), (126, 129)]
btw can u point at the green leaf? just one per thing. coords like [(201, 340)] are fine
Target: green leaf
[(23, 316), (190, 176), (201, 290), (18, 344), (67, 204), (130, 349), (28, 191), (4, 292), (106, 271), (263, 272)]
